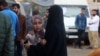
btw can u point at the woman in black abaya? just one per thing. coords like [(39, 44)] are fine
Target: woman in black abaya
[(55, 33)]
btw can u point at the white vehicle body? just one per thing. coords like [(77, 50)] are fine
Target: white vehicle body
[(71, 8)]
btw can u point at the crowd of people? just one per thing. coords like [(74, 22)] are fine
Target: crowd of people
[(41, 36)]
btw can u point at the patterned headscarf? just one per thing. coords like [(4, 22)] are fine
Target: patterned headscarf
[(39, 34)]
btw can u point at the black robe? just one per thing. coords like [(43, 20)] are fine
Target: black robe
[(55, 33), (37, 50)]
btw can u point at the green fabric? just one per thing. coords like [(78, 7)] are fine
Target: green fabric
[(6, 36)]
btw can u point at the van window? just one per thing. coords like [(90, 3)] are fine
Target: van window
[(73, 11)]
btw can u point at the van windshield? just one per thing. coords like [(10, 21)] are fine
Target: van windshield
[(73, 11)]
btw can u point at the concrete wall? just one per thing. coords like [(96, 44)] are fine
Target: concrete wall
[(93, 5)]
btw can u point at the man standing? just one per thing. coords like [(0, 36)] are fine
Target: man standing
[(6, 36), (93, 30), (22, 32), (80, 24), (12, 15)]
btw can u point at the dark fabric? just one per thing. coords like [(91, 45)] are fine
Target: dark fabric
[(22, 31), (36, 50), (80, 37), (21, 34), (55, 33), (19, 48), (15, 47)]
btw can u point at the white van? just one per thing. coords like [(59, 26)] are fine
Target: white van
[(71, 8)]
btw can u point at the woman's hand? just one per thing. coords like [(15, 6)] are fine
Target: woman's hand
[(43, 42), (27, 45)]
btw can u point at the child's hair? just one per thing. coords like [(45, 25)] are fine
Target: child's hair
[(96, 52), (37, 17), (41, 33)]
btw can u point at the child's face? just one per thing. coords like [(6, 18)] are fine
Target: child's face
[(37, 24)]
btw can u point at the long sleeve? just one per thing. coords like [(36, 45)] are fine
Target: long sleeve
[(76, 22), (85, 22), (17, 26), (9, 40), (24, 28), (95, 20)]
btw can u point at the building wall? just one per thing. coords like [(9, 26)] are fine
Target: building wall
[(94, 4)]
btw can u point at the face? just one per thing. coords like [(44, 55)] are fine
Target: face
[(46, 13), (93, 13), (83, 11), (16, 9), (37, 25)]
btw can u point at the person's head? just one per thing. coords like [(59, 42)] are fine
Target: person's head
[(55, 15), (47, 12), (35, 12), (94, 12), (96, 52), (83, 11), (16, 7), (37, 23), (3, 4)]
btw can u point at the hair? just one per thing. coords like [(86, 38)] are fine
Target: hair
[(37, 17), (82, 8), (96, 11), (96, 52), (17, 5), (35, 12), (41, 33), (3, 2)]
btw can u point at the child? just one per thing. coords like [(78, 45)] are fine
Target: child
[(35, 38)]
